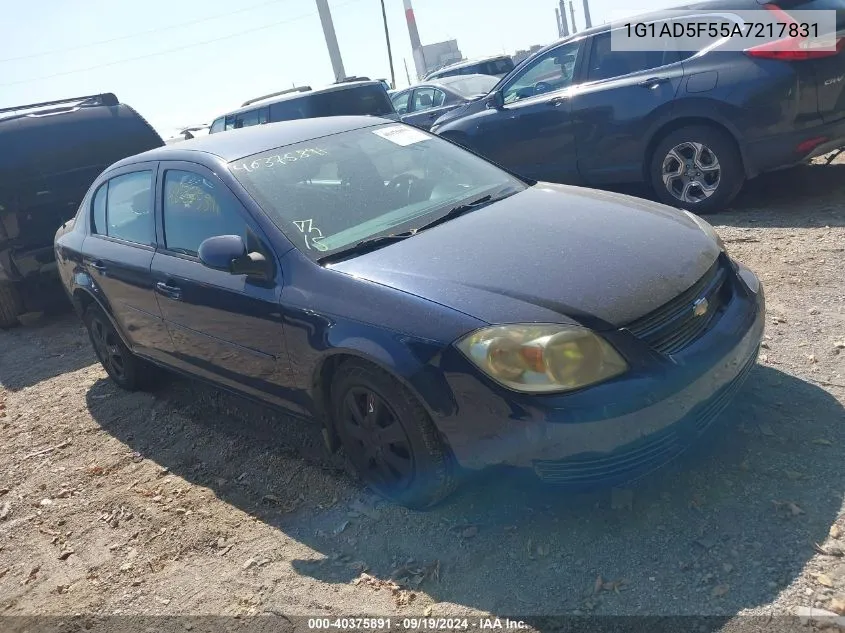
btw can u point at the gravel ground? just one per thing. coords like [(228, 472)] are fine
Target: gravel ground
[(189, 501)]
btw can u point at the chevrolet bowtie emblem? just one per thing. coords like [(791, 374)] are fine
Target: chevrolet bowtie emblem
[(700, 307)]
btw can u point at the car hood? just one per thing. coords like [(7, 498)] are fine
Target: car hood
[(459, 112), (550, 253)]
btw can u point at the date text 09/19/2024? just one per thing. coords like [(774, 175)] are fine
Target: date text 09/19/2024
[(415, 624)]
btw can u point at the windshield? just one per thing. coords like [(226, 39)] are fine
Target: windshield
[(471, 86), (333, 192)]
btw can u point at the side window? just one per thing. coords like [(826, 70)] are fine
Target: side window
[(423, 99), (98, 220), (195, 208), (606, 63), (217, 126), (123, 209), (552, 71), (253, 117), (439, 98), (230, 122), (400, 102)]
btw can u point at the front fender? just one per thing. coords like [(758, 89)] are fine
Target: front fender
[(412, 361)]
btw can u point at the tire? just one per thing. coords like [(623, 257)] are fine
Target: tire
[(11, 305), (409, 463), (688, 144), (123, 367)]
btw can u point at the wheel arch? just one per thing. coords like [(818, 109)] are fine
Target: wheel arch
[(82, 297), (419, 384), (688, 121)]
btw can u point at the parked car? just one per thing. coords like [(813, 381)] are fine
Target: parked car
[(354, 269), (345, 98), (423, 104), (693, 126), (497, 66), (186, 134), (51, 153)]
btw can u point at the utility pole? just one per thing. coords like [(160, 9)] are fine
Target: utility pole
[(587, 19), (557, 19), (331, 39), (572, 12), (407, 74), (389, 52), (563, 23)]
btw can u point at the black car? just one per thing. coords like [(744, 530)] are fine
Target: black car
[(434, 312), (350, 97), (51, 153), (421, 105), (694, 126)]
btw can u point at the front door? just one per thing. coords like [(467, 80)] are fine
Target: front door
[(626, 95), (226, 328), (532, 133), (118, 253)]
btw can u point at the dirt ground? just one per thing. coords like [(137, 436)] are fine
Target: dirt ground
[(189, 501)]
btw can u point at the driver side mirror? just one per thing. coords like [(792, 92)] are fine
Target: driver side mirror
[(228, 253), (496, 100)]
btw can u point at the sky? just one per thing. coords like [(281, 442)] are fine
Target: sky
[(183, 62)]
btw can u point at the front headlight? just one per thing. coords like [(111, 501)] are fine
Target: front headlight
[(542, 358), (709, 230)]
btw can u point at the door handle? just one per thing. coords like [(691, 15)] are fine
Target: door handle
[(169, 291), (97, 265), (556, 101), (652, 82)]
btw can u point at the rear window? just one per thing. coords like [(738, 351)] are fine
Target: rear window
[(497, 67), (364, 100), (472, 86)]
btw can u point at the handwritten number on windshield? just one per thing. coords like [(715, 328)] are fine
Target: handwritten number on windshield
[(311, 234), (279, 159)]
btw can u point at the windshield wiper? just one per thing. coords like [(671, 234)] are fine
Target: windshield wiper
[(454, 212), (365, 246), (372, 243)]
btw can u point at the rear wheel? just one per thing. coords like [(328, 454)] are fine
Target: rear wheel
[(697, 168), (122, 366), (388, 437), (11, 305)]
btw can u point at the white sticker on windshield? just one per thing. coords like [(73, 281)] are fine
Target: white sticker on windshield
[(402, 134)]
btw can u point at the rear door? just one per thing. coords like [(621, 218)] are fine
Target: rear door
[(623, 95), (118, 253), (225, 328)]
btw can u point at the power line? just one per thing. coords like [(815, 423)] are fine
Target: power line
[(148, 32), (170, 50)]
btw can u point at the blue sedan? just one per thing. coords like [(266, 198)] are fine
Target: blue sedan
[(436, 314)]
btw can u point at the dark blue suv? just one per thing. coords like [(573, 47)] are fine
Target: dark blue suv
[(694, 126)]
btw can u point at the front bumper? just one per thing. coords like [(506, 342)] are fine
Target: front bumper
[(619, 430)]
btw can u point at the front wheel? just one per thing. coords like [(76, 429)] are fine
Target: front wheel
[(389, 438), (697, 168)]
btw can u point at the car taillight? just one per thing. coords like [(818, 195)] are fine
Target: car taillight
[(791, 49)]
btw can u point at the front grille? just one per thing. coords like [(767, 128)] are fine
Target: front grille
[(674, 325)]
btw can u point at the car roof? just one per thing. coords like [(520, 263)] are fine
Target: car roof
[(293, 96), (234, 144), (706, 6), (469, 62)]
